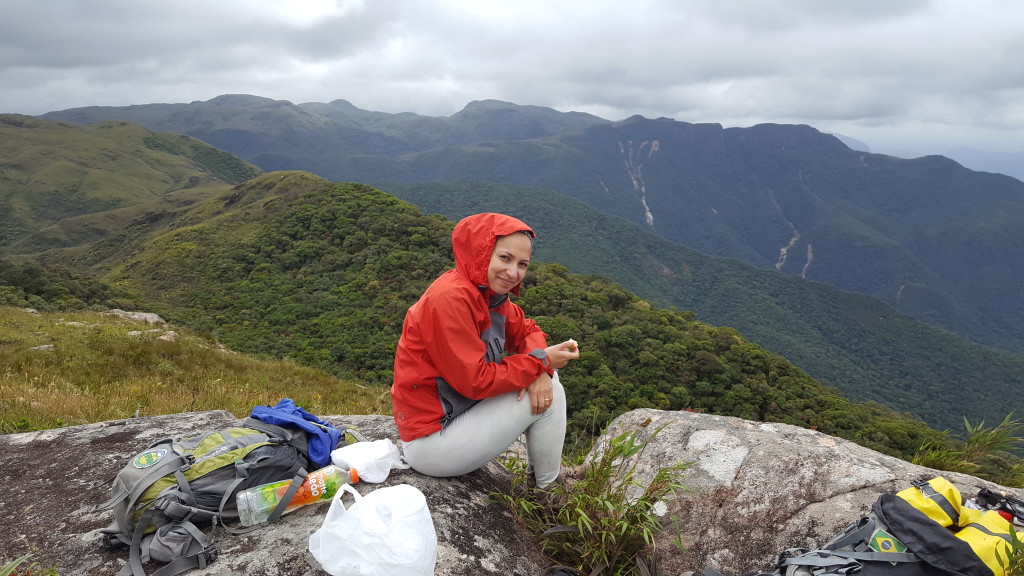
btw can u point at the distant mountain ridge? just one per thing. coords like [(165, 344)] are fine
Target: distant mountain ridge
[(927, 236), (276, 131), (1009, 163)]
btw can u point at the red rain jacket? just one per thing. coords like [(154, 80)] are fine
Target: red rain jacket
[(450, 353)]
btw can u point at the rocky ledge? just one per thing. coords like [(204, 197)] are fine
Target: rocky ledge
[(754, 490)]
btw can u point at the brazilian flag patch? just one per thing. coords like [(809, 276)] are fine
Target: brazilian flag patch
[(882, 541)]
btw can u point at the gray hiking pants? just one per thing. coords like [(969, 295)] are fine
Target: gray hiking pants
[(487, 429)]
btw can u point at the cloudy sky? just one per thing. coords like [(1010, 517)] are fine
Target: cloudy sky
[(921, 75)]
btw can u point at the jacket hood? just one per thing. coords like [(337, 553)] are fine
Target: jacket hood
[(473, 242)]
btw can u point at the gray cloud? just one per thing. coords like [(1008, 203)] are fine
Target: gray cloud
[(937, 73)]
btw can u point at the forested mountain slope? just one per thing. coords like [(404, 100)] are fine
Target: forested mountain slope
[(927, 236)]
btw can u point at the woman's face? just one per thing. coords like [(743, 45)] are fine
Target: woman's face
[(509, 261)]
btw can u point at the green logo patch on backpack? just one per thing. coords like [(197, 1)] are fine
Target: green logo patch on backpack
[(148, 458)]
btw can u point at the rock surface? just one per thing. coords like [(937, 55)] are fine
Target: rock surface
[(756, 489), (50, 481), (759, 488)]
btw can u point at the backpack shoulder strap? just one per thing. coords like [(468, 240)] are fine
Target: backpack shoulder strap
[(840, 562), (876, 556), (270, 429), (135, 558), (852, 535), (286, 499)]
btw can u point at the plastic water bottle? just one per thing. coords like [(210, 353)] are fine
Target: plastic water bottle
[(257, 503)]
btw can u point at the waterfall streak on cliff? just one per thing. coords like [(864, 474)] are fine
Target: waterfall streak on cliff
[(633, 162)]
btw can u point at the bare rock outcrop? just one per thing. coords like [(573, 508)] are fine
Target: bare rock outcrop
[(143, 317), (759, 488), (755, 489), (51, 476)]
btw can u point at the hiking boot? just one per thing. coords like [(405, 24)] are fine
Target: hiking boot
[(570, 474), (554, 496), (524, 489), (574, 474)]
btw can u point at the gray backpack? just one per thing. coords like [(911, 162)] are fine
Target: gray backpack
[(167, 492), (924, 530)]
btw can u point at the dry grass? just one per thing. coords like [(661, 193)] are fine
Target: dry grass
[(101, 367)]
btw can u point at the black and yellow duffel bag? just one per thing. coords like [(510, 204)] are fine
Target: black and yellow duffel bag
[(925, 530), (986, 532)]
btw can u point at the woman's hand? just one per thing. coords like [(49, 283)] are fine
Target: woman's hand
[(540, 394), (560, 354), (540, 389)]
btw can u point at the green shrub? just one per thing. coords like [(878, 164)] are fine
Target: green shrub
[(611, 518), (987, 453)]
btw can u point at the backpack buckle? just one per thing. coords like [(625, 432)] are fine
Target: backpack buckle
[(111, 543), (174, 510), (207, 557)]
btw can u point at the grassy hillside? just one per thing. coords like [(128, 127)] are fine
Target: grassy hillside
[(102, 367), (290, 265), (65, 185)]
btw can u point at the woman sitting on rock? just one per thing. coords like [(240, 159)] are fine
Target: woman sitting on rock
[(472, 373)]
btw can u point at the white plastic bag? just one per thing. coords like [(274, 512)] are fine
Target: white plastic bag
[(373, 461), (385, 533)]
